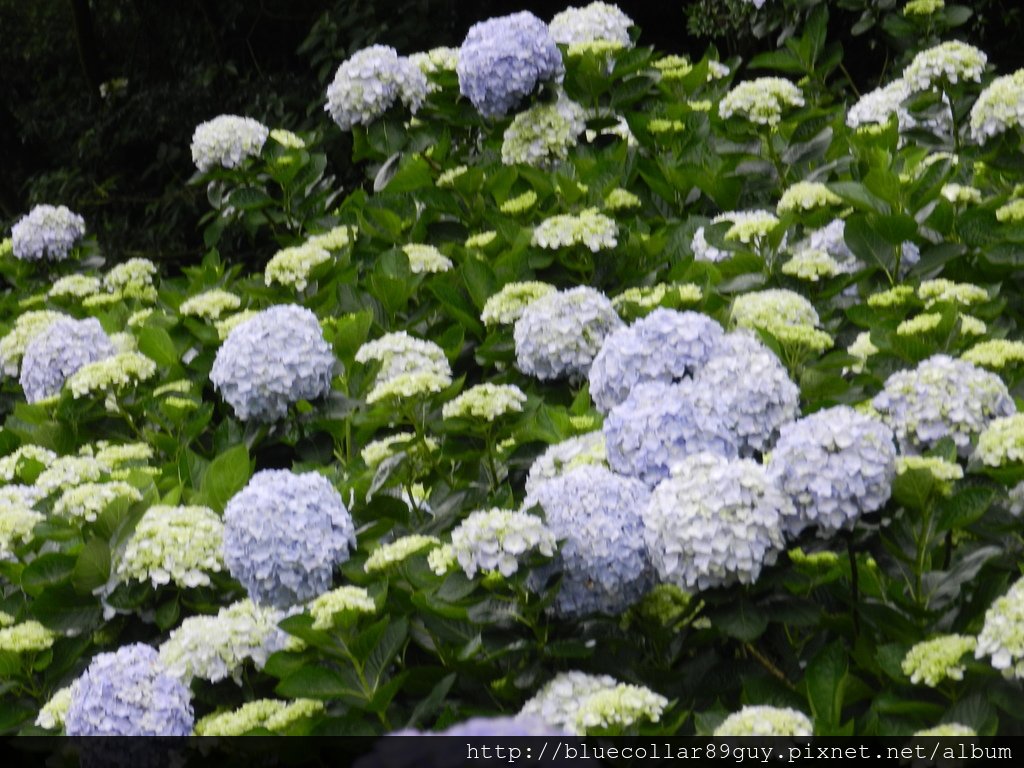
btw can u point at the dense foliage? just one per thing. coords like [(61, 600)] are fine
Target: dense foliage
[(626, 392)]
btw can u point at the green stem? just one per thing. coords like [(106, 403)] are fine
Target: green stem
[(854, 584)]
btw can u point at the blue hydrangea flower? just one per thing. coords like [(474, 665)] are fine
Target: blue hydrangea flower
[(746, 383), (660, 424), (503, 60), (46, 232), (834, 465), (52, 357), (370, 82), (603, 559), (129, 693), (283, 535), (664, 346), (271, 361)]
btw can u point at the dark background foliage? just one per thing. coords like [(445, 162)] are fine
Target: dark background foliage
[(122, 159)]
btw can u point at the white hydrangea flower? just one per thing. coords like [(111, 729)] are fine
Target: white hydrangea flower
[(131, 279), (228, 324), (325, 608), (495, 539), (592, 23), (748, 226), (291, 266), (66, 472), (932, 661), (807, 196), (26, 637), (227, 141), (952, 62), (269, 714), (557, 459), (210, 305), (214, 648), (999, 108), (520, 203), (577, 702), (766, 721), (46, 232), (715, 522), (943, 290), (387, 555), (16, 524), (334, 239), (287, 139), (409, 366), (995, 353), (88, 500), (811, 264), (12, 464), (619, 708), (440, 59), (589, 228), (762, 100), (767, 309), (1002, 442), (507, 305), (1002, 636), (426, 259), (878, 106), (960, 194), (481, 239), (174, 544), (958, 730), (26, 327), (116, 372), (375, 452), (51, 716), (370, 82), (704, 251), (485, 401), (74, 286), (543, 134)]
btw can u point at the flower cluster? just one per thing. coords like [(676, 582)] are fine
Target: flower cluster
[(715, 522), (748, 227), (520, 203), (504, 59), (835, 465), (292, 266), (578, 702), (440, 59), (1002, 636), (940, 398), (131, 279), (507, 305), (326, 608), (210, 305), (46, 232), (370, 82), (559, 334), (51, 357), (995, 353), (561, 457), (27, 637), (227, 141), (765, 721), (88, 500), (543, 134), (949, 62), (398, 551), (264, 714), (74, 287), (704, 251), (943, 290), (485, 401), (999, 108), (283, 535), (119, 371), (214, 648), (597, 22), (174, 544), (761, 101), (878, 106), (603, 561), (128, 693), (426, 259), (765, 310), (589, 228), (932, 661), (1002, 441), (495, 539), (271, 361), (409, 366), (665, 346), (26, 327), (51, 715), (961, 194), (811, 264), (807, 196), (16, 523)]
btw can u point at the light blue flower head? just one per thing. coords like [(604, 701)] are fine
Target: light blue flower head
[(834, 465), (284, 534), (665, 346), (660, 424), (48, 232), (51, 357), (129, 693), (272, 361), (603, 559), (503, 60)]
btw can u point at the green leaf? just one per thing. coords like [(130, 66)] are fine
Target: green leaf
[(315, 682), (350, 332), (412, 174), (964, 508), (384, 652), (249, 198), (226, 475), (62, 609), (156, 344), (867, 244), (825, 681), (744, 621), (46, 571), (428, 705)]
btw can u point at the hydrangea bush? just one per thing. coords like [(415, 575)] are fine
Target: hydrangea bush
[(615, 391)]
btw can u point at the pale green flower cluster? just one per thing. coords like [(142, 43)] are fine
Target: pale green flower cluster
[(811, 264), (945, 473), (661, 125), (508, 304), (1002, 441), (665, 604), (178, 386), (807, 196), (326, 608), (960, 194), (442, 559), (269, 714), (999, 108), (426, 259), (862, 349), (447, 178), (1013, 211), (174, 544), (494, 539), (485, 401), (589, 228), (408, 385), (813, 561), (1002, 636), (481, 239), (618, 708), (74, 286), (333, 240), (292, 266), (132, 280), (210, 305), (397, 551), (766, 721), (958, 730), (972, 326), (6, 248), (12, 465), (66, 472), (965, 294), (440, 59), (137, 319), (122, 370), (923, 7), (673, 67), (952, 62), (932, 661), (51, 716), (748, 226), (6, 619), (594, 48), (88, 500), (919, 324), (543, 134), (287, 139), (119, 455), (375, 452), (16, 524), (650, 296), (896, 296), (27, 637), (12, 346), (620, 199), (996, 353), (228, 324), (768, 309), (761, 101), (409, 366), (520, 203)]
